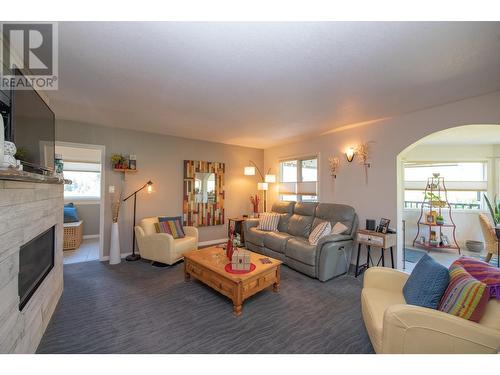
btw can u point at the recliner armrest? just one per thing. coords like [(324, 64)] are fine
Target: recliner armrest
[(385, 278), (250, 223), (333, 238), (191, 231), (414, 329)]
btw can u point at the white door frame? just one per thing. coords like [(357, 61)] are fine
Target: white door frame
[(102, 204)]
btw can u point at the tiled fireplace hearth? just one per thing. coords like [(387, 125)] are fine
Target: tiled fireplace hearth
[(28, 210)]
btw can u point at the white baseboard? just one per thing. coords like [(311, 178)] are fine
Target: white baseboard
[(89, 236), (212, 242), (204, 243), (106, 258)]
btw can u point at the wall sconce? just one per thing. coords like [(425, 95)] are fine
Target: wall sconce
[(350, 152), (334, 164)]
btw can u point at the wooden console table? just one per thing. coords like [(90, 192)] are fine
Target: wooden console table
[(371, 239)]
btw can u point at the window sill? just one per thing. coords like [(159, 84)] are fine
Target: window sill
[(82, 201)]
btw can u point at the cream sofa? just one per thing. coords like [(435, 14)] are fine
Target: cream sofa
[(161, 247), (395, 327)]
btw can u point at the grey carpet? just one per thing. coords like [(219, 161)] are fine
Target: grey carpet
[(136, 308), (414, 255)]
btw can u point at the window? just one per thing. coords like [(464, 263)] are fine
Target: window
[(466, 182), (85, 181), (299, 180)]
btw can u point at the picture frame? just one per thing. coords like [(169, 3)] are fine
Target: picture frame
[(430, 218), (432, 235), (445, 240), (383, 225)]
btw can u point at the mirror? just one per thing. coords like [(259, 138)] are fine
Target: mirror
[(204, 187), (203, 193)]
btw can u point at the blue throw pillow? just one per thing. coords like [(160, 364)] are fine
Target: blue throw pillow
[(70, 214), (426, 284)]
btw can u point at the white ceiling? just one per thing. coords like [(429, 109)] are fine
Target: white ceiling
[(465, 135), (262, 84)]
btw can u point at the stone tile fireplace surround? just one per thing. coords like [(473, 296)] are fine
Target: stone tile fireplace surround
[(26, 210)]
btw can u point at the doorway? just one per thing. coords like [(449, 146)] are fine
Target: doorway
[(466, 159), (84, 199)]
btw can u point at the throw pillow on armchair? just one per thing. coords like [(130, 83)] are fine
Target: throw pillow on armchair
[(426, 284)]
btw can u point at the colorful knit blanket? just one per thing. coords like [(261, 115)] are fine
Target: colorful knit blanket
[(483, 272)]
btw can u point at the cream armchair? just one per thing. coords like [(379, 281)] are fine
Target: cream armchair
[(395, 327), (161, 247)]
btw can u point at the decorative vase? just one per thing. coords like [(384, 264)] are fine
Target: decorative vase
[(229, 249), (9, 148), (114, 250)]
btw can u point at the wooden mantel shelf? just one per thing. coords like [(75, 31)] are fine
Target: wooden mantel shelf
[(125, 170), (13, 174)]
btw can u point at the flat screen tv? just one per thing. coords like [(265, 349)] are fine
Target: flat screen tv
[(32, 130)]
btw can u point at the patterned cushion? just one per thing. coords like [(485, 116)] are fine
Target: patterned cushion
[(268, 221), (170, 225), (339, 228), (321, 230), (426, 284), (465, 296), (483, 272)]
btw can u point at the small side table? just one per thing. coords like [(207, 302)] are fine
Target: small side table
[(370, 239), (238, 226)]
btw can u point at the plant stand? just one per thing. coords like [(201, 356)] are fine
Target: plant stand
[(435, 204)]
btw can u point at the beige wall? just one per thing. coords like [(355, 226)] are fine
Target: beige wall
[(160, 158), (90, 214), (379, 198)]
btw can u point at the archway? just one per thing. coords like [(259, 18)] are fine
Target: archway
[(462, 153)]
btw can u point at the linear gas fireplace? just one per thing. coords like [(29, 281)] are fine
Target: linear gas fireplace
[(36, 259)]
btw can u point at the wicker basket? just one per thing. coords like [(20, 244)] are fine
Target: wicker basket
[(73, 235)]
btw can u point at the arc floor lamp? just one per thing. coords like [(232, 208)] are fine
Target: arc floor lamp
[(265, 179), (133, 257)]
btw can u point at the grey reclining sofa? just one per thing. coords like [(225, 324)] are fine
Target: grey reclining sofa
[(329, 258)]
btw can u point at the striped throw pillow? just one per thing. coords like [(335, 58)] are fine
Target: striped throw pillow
[(170, 225), (321, 230), (465, 296), (269, 221)]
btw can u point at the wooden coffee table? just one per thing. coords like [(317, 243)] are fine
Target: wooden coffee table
[(207, 265)]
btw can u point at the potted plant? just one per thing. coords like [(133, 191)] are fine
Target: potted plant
[(435, 200), (494, 210), (117, 160), (439, 220)]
